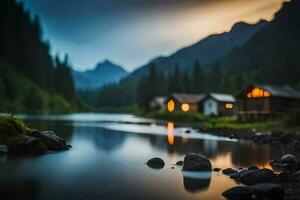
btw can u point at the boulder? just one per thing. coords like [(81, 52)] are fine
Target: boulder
[(238, 193), (51, 140), (252, 177), (229, 171), (196, 162), (238, 174), (268, 191), (156, 163), (288, 158)]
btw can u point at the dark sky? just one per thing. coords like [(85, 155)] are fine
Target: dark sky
[(131, 32)]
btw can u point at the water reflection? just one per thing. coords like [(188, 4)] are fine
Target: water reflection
[(108, 160), (170, 128), (196, 181)]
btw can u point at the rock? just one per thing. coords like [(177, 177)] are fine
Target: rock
[(268, 191), (238, 174), (229, 171), (51, 140), (180, 162), (286, 138), (188, 131), (27, 145), (238, 193), (252, 167), (288, 158), (257, 176), (3, 149), (196, 162), (216, 169), (156, 163), (275, 164)]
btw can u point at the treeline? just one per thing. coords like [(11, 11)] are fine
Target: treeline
[(23, 47)]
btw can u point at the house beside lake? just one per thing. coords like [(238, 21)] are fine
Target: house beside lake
[(184, 102), (208, 104), (259, 101), (219, 104)]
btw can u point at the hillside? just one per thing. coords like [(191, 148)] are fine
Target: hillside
[(19, 94), (104, 73)]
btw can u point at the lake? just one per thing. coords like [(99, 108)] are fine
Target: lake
[(108, 159)]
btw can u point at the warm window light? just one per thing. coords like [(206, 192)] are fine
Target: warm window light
[(185, 107), (171, 105), (257, 92), (228, 105), (170, 129)]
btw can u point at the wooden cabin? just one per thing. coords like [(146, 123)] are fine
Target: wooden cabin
[(158, 104), (219, 104), (184, 102), (259, 101)]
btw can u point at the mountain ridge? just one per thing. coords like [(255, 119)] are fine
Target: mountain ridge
[(103, 73)]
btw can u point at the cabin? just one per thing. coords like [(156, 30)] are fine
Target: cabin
[(260, 101), (219, 104), (157, 104), (184, 102)]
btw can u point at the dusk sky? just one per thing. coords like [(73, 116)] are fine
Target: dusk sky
[(132, 32)]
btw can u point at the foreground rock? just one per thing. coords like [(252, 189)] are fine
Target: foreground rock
[(156, 163), (229, 171), (268, 191), (196, 162), (238, 193), (51, 140), (252, 177), (34, 142)]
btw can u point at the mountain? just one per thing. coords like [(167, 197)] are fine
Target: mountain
[(103, 74), (273, 53), (265, 52), (205, 51)]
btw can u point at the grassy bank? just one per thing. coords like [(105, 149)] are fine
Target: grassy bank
[(288, 123)]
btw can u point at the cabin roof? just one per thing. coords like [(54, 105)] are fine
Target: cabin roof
[(222, 97), (276, 91), (188, 98)]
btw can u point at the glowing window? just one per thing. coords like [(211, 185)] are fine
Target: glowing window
[(185, 107), (229, 105), (257, 92), (171, 105)]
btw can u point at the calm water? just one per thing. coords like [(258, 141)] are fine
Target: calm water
[(108, 158)]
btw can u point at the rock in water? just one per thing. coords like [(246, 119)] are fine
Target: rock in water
[(238, 193), (156, 163), (288, 158), (268, 191), (196, 162), (51, 140), (229, 171), (217, 169), (257, 176), (252, 167)]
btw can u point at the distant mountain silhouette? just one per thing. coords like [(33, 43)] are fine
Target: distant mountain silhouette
[(205, 51), (104, 73), (273, 52)]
